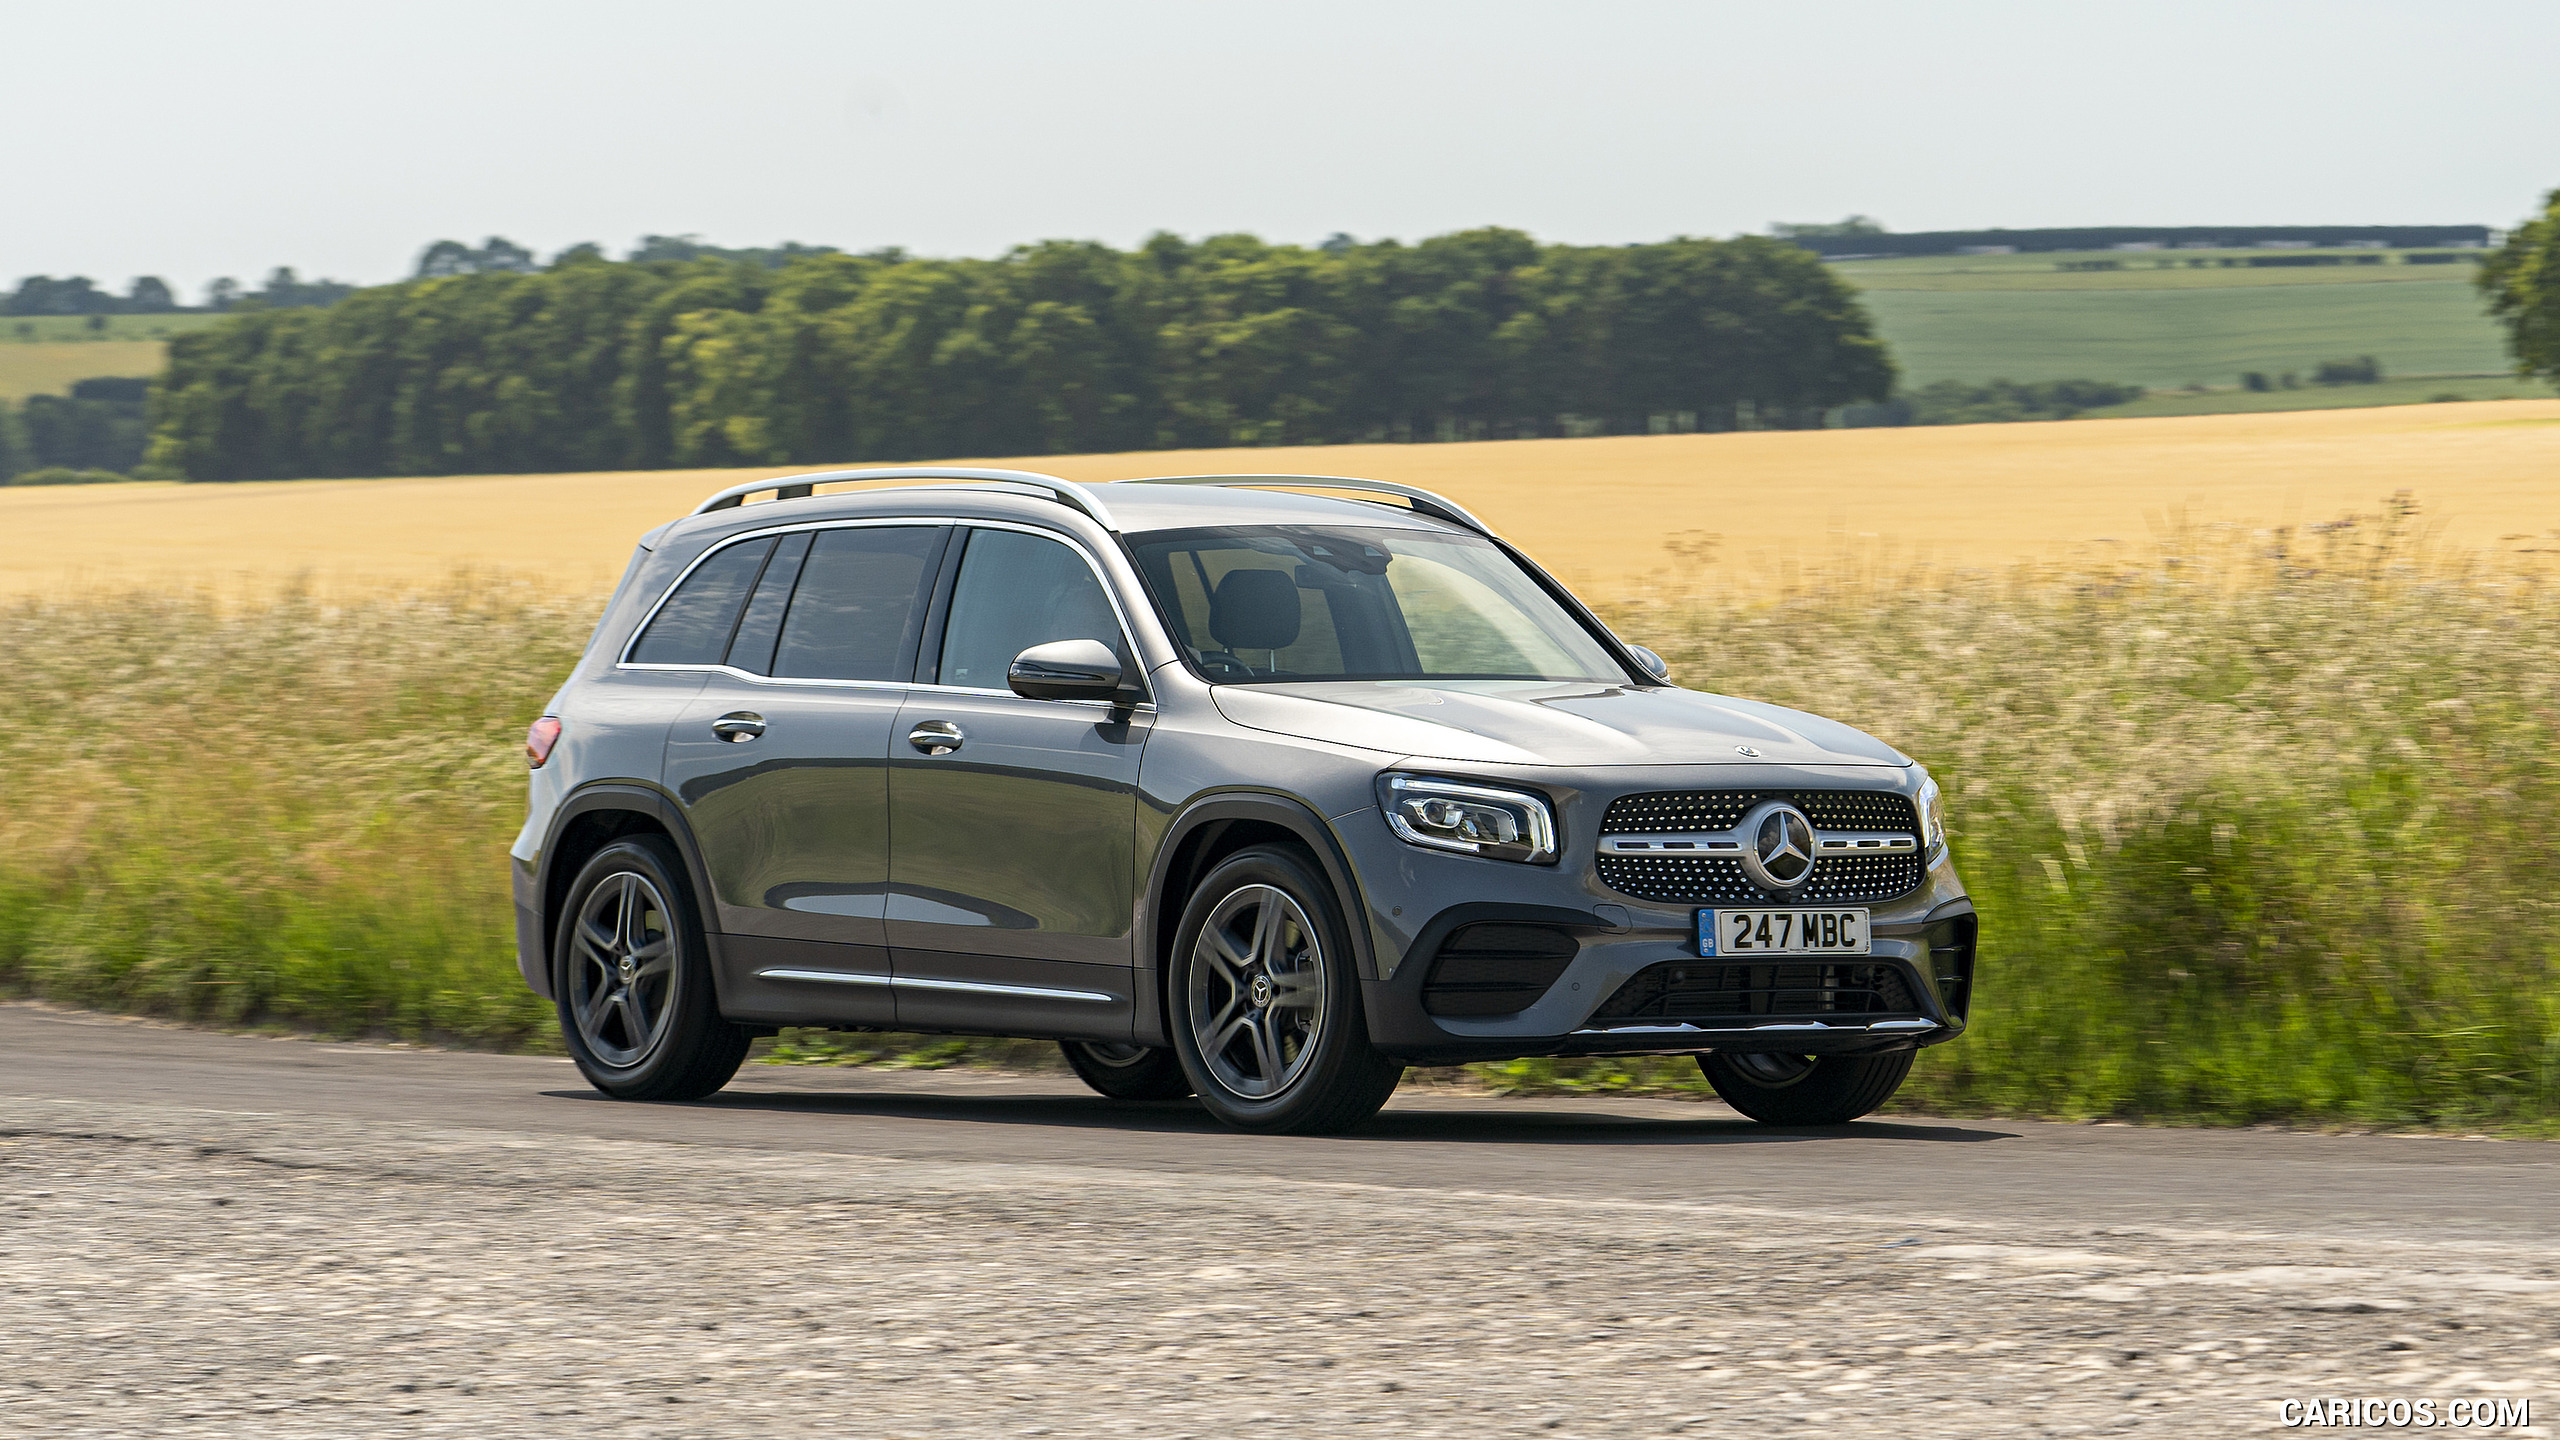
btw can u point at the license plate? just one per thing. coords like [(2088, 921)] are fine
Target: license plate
[(1782, 932)]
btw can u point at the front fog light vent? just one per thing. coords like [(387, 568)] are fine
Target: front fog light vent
[(1471, 819)]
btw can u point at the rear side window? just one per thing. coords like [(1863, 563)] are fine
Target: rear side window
[(859, 604), (1016, 591), (761, 626), (693, 627)]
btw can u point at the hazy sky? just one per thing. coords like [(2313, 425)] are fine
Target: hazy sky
[(191, 140)]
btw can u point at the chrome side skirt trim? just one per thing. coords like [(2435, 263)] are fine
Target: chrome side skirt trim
[(824, 977), (989, 987), (969, 987)]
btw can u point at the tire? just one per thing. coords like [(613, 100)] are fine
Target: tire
[(1128, 1072), (1263, 1001), (634, 979), (1806, 1089)]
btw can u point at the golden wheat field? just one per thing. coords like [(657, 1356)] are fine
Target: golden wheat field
[(1605, 513)]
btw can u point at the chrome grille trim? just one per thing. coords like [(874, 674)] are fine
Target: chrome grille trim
[(1683, 847)]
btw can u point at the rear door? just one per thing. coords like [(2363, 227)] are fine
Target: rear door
[(1012, 882), (779, 766)]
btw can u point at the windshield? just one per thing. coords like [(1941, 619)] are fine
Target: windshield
[(1265, 603)]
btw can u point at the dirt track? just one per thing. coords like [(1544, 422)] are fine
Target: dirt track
[(214, 1236)]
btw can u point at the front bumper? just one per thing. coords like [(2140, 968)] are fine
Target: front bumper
[(1415, 900), (1562, 1021)]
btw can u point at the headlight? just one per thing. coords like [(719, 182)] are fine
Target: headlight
[(1933, 816), (1471, 819)]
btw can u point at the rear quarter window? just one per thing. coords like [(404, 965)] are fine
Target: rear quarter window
[(693, 627)]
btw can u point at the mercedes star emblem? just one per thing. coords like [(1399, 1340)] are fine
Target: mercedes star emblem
[(1779, 851)]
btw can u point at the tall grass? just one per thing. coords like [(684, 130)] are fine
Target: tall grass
[(297, 812), (2261, 827)]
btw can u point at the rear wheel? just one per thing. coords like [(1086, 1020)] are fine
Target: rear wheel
[(634, 984), (1264, 1001), (1806, 1089), (1127, 1072)]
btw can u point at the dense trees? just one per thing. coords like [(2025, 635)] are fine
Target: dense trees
[(802, 355), (2522, 283), (98, 426), (80, 295)]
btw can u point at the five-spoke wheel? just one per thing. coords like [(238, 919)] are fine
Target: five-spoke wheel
[(632, 981), (1266, 1003), (1257, 987), (622, 972)]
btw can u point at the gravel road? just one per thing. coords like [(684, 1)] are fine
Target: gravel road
[(207, 1235)]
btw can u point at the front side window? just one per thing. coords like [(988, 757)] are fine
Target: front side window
[(1016, 591), (1270, 603)]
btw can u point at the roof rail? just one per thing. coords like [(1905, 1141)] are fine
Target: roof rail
[(1437, 506), (798, 487)]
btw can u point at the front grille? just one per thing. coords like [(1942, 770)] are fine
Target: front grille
[(1667, 811), (1496, 969), (1719, 990), (1703, 880)]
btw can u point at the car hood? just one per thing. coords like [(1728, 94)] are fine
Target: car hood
[(1513, 722)]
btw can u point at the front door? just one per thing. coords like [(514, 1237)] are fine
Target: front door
[(1012, 884), (779, 764)]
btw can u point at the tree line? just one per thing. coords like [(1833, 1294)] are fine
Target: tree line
[(801, 356), (151, 295)]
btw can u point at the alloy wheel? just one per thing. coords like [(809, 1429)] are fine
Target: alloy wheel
[(622, 970), (1257, 992)]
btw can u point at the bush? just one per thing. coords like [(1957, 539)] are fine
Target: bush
[(2362, 370), (1953, 402), (2255, 380)]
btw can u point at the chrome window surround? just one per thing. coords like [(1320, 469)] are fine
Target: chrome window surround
[(1827, 844), (1101, 577)]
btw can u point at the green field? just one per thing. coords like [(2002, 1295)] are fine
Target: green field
[(43, 354), (2178, 318)]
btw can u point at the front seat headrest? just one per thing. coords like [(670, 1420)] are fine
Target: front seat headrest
[(1255, 610)]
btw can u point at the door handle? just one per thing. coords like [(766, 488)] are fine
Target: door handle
[(738, 726), (936, 737)]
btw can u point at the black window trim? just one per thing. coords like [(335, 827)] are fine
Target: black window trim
[(915, 522), (928, 636)]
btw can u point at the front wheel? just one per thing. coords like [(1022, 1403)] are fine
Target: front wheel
[(634, 983), (1264, 1002), (1806, 1089)]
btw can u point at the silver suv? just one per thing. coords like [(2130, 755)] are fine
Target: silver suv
[(1236, 791)]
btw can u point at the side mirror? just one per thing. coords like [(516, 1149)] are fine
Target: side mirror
[(1066, 670), (1654, 665)]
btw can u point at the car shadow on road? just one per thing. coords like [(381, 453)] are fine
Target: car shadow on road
[(1442, 1123)]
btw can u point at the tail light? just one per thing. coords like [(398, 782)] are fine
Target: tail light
[(539, 740)]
